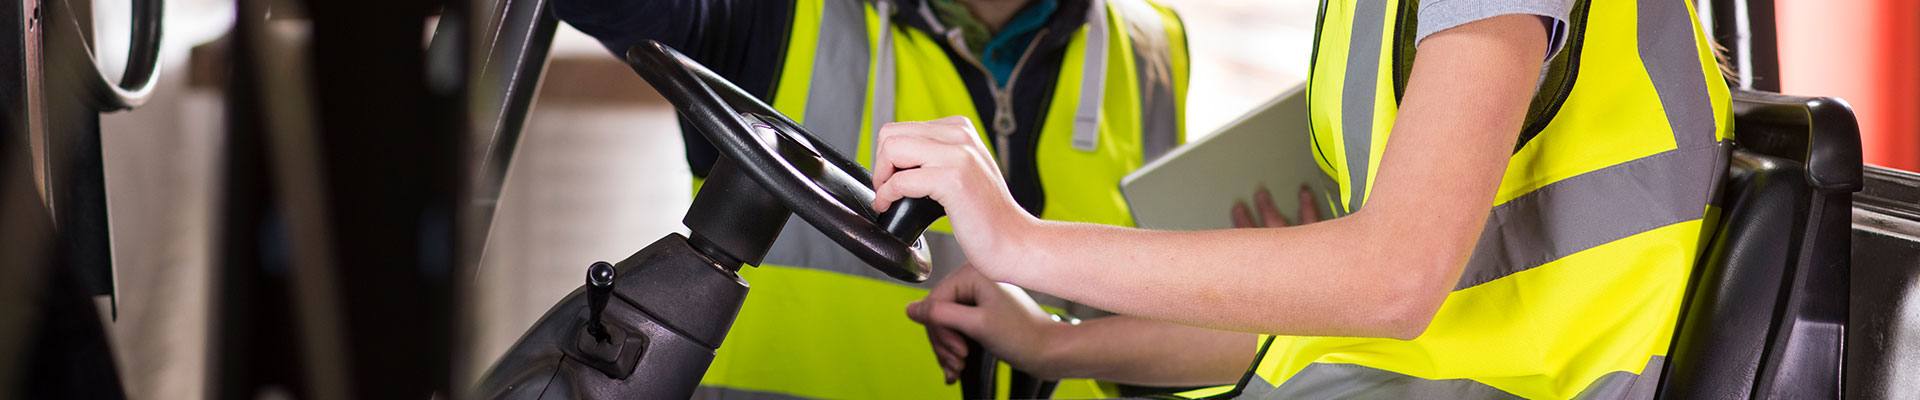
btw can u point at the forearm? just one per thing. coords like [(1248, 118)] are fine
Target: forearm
[(1331, 278), (1382, 271), (1146, 352)]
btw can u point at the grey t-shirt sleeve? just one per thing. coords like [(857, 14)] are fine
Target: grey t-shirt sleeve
[(1439, 15)]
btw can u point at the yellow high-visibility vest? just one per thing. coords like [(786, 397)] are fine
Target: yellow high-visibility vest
[(822, 324), (1575, 286)]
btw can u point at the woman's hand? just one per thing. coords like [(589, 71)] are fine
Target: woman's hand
[(1269, 214), (944, 160), (999, 316)]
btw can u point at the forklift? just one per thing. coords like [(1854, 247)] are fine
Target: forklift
[(361, 170)]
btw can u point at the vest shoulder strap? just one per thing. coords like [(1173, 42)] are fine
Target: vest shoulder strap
[(1160, 58)]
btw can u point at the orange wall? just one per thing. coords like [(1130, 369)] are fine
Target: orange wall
[(1864, 51)]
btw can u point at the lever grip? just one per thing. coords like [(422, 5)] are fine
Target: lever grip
[(908, 218), (979, 372), (600, 278)]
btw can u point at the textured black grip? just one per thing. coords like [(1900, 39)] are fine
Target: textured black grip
[(977, 379), (908, 218)]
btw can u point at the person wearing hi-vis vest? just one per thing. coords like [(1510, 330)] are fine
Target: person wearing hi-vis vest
[(1071, 94), (1523, 189)]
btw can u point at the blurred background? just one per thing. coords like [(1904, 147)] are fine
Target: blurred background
[(600, 172)]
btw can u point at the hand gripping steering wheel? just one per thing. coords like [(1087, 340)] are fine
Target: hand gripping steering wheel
[(811, 179)]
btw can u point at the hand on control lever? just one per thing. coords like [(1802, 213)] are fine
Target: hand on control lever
[(944, 160), (1001, 317)]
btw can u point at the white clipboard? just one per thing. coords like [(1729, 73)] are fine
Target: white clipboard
[(1195, 186)]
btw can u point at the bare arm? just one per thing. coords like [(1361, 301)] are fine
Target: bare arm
[(1153, 353), (1118, 348), (1380, 272)]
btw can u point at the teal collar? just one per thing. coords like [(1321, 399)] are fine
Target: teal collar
[(1003, 52)]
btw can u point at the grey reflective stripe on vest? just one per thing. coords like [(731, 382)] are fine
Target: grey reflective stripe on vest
[(1671, 57), (1592, 209), (1627, 385), (1153, 67), (1093, 78), (1623, 200), (884, 77), (839, 63), (802, 246), (727, 393), (1356, 95), (1349, 381)]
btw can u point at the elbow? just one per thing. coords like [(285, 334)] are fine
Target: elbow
[(1415, 280), (1411, 297), (1408, 320), (1406, 315)]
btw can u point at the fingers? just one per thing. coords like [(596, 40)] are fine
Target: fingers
[(952, 130), (951, 351), (964, 318), (949, 347), (1269, 213), (948, 324), (899, 152), (908, 183), (1242, 218), (959, 318), (1309, 211), (933, 145)]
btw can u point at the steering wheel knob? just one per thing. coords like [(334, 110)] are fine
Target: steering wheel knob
[(909, 218)]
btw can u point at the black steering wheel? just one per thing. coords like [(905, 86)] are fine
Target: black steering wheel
[(813, 180)]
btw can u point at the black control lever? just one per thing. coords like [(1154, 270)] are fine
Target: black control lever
[(599, 288), (978, 373), (908, 218), (980, 377)]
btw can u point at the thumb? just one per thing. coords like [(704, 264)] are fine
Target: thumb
[(964, 318)]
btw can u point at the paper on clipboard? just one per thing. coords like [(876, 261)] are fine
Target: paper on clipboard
[(1195, 186)]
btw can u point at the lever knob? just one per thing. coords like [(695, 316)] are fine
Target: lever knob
[(599, 288), (908, 218)]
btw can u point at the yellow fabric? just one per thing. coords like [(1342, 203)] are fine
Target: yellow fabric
[(1576, 324), (794, 326), (1082, 186), (1549, 331), (790, 96), (1604, 97), (819, 334)]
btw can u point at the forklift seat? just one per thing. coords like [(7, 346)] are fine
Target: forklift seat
[(1766, 313)]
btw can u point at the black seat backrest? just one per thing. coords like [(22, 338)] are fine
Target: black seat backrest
[(1766, 314), (1882, 349)]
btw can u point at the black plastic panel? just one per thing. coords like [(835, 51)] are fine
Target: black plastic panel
[(1884, 343), (1767, 314)]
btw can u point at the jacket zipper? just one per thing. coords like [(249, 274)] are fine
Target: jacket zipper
[(1003, 121)]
